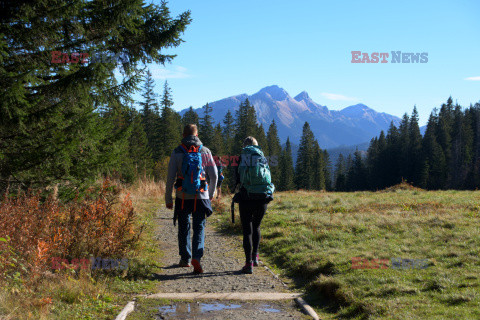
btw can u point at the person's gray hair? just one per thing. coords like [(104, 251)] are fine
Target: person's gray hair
[(250, 141)]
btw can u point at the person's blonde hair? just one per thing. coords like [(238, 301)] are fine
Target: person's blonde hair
[(190, 130), (250, 141)]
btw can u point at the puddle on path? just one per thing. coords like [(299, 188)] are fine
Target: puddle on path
[(182, 310)]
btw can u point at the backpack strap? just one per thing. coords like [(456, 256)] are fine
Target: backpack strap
[(195, 204), (183, 198)]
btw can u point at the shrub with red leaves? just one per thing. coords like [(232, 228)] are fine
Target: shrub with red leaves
[(98, 225)]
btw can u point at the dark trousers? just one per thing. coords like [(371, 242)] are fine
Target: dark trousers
[(251, 214), (192, 249)]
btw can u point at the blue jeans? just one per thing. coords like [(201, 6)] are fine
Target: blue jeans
[(193, 249)]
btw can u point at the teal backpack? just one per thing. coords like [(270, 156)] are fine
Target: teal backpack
[(255, 173)]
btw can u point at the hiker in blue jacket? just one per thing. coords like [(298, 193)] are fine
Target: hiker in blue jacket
[(256, 191), (190, 164)]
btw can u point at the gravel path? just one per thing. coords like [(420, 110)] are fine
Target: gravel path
[(222, 261)]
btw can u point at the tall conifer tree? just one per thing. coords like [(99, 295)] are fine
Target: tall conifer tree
[(190, 117), (415, 149), (273, 150), (170, 128), (304, 166), (206, 130), (286, 179), (52, 127), (150, 116), (228, 132), (340, 174)]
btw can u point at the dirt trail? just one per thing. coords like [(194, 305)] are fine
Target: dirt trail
[(222, 261)]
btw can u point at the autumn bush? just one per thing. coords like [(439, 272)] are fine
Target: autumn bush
[(33, 229)]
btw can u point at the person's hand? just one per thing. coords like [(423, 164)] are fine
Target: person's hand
[(169, 206)]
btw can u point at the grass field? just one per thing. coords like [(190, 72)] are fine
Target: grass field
[(312, 237)]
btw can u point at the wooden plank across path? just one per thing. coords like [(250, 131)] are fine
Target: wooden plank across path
[(242, 296)]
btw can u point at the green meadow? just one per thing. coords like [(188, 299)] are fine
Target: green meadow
[(311, 237)]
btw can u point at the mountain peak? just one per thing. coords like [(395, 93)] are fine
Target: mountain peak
[(360, 107), (353, 125), (302, 96), (275, 92)]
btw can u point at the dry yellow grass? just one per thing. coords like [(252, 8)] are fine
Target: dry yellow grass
[(144, 188)]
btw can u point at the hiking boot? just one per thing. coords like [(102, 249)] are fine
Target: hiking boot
[(197, 267), (248, 268), (255, 260), (183, 264)]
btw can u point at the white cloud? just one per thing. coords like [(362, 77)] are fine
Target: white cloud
[(473, 78), (334, 96), (172, 72)]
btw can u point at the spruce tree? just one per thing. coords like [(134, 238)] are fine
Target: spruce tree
[(137, 162), (373, 154), (170, 125), (305, 157), (217, 145), (327, 171), (474, 179), (340, 174), (392, 156), (415, 163), (318, 170), (286, 167), (190, 117), (206, 130), (468, 148), (381, 172), (150, 116), (403, 146), (167, 101), (261, 137), (350, 175), (51, 104), (358, 176), (139, 153), (228, 131), (245, 125), (273, 150), (434, 158), (444, 139)]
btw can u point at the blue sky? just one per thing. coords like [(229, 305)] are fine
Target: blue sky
[(234, 47)]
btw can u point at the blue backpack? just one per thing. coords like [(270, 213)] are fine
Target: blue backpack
[(193, 175)]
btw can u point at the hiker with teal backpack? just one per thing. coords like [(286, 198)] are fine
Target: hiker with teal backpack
[(256, 191), (190, 164)]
